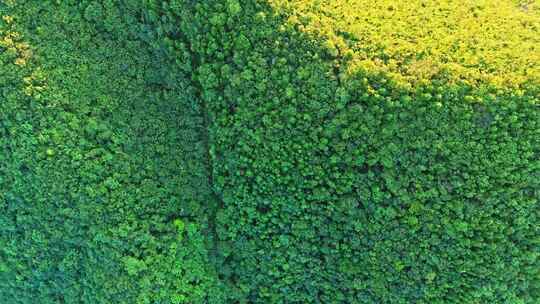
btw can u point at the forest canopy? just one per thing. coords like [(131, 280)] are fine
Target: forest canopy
[(269, 151)]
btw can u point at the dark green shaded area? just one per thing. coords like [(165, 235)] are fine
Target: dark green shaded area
[(103, 180)]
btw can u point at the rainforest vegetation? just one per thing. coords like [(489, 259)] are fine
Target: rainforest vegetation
[(269, 151)]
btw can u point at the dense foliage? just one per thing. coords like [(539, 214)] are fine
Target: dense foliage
[(102, 168), (269, 151), (468, 41)]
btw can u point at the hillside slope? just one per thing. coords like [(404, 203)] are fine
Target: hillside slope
[(269, 151)]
